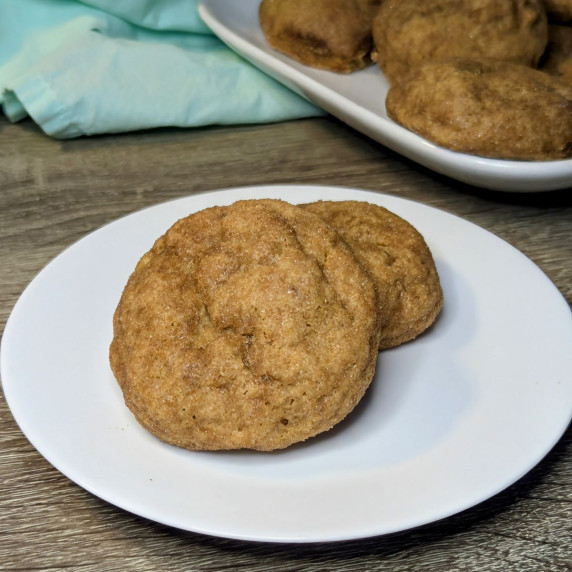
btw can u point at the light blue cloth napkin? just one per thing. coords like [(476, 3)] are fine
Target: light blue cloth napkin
[(104, 66)]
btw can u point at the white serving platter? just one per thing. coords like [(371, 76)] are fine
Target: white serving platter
[(358, 99)]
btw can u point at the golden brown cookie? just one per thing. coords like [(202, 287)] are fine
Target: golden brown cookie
[(399, 261), (248, 326), (335, 36), (559, 10), (408, 33), (487, 108), (557, 60)]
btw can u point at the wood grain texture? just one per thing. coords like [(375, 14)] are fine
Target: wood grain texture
[(53, 193)]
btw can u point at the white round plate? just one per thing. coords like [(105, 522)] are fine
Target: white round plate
[(450, 419)]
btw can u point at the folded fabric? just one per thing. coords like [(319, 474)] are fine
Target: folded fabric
[(102, 66)]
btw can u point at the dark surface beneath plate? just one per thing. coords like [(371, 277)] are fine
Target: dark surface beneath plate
[(55, 192)]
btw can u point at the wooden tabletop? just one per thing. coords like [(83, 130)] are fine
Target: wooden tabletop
[(52, 193)]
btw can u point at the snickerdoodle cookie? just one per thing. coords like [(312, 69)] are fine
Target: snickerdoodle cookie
[(559, 10), (335, 36), (398, 260), (557, 60), (408, 33), (245, 326), (487, 108)]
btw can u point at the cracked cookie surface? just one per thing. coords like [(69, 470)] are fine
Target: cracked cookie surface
[(408, 33), (487, 108), (335, 36), (246, 326), (398, 260)]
